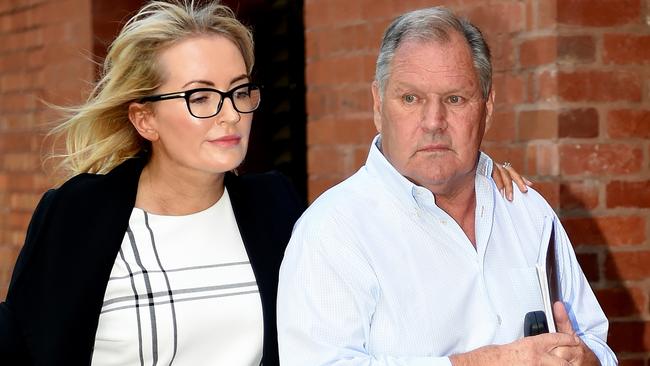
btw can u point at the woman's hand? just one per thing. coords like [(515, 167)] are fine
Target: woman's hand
[(504, 174)]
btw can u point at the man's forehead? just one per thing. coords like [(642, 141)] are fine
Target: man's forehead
[(421, 62)]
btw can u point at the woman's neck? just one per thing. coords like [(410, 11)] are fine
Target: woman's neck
[(166, 190)]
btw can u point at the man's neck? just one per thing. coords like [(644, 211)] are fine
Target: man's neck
[(460, 204)]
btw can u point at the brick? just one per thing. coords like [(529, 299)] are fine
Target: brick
[(321, 102), (627, 265), (19, 220), (324, 160), (499, 153), (18, 81), (543, 159), (502, 128), (599, 86), (628, 194), (578, 123), (538, 51), (538, 124), (317, 186), (20, 162), (510, 89), (340, 132), (355, 101), (546, 14), (589, 264), (622, 301), (581, 195), (312, 44), (369, 63), (550, 192), (24, 201), (20, 182), (19, 141), (64, 11), (360, 158), (15, 238), (373, 9), (598, 13), (546, 87), (576, 49), (623, 123), (629, 336), (594, 159), (626, 49), (498, 17), (611, 231), (335, 71), (18, 102), (502, 50)]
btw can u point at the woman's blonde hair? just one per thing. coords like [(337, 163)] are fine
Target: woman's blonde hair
[(98, 134)]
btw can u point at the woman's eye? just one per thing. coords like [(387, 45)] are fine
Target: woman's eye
[(198, 99), (409, 98), (242, 95)]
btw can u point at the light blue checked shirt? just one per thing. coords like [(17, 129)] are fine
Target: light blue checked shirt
[(376, 274)]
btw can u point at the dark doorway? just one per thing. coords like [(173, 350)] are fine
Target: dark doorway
[(278, 137)]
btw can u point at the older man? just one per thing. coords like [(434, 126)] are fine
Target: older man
[(416, 259)]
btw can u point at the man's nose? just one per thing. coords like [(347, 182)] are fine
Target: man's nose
[(434, 115)]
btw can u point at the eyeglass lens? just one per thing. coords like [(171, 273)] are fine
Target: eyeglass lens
[(207, 103)]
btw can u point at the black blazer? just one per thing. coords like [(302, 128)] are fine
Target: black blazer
[(57, 289)]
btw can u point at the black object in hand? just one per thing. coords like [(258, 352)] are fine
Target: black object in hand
[(535, 323)]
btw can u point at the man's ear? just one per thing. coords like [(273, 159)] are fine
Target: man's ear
[(142, 118), (376, 105), (489, 108)]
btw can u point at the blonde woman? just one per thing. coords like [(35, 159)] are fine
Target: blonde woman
[(152, 252)]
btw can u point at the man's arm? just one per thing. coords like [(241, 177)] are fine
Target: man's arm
[(585, 315)]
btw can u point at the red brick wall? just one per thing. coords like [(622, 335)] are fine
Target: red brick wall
[(42, 44), (572, 79)]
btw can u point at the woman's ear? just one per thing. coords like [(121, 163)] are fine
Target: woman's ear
[(142, 118)]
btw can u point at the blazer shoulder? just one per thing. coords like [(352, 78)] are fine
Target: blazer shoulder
[(268, 187), (270, 195)]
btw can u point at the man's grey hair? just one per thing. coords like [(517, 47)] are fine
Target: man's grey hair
[(433, 24)]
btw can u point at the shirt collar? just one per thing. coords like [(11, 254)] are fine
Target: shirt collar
[(405, 190)]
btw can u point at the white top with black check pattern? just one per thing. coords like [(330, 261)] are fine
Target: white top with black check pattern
[(181, 292)]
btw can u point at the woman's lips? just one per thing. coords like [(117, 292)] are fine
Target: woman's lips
[(226, 141)]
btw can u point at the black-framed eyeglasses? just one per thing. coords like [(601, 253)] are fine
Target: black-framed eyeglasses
[(207, 102)]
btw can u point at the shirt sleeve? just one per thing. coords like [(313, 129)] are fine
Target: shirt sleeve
[(587, 317), (326, 299)]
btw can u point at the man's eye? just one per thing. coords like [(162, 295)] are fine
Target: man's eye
[(409, 98), (455, 99)]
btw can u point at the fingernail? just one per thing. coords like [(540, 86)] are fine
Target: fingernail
[(510, 196), (528, 183)]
